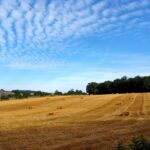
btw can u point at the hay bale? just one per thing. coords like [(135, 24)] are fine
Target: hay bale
[(124, 114), (30, 107), (118, 104), (60, 107), (50, 114)]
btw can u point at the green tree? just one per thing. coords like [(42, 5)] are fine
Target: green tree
[(139, 143), (92, 88), (58, 93), (123, 85)]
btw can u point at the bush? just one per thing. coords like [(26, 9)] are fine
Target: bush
[(137, 143), (4, 97), (120, 146)]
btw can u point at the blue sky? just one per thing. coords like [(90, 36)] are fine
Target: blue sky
[(63, 44)]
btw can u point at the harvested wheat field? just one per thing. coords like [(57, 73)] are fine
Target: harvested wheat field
[(73, 122)]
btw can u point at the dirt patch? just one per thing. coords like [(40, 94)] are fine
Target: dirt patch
[(134, 114), (148, 113), (142, 113), (96, 122)]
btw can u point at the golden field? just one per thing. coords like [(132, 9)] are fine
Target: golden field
[(73, 122)]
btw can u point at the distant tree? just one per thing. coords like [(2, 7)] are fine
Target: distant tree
[(123, 85), (104, 88), (92, 88), (58, 93), (139, 84), (75, 92), (39, 93), (18, 94), (4, 97), (146, 84), (80, 92), (71, 92)]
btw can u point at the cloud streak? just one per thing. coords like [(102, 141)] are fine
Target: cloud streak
[(39, 30)]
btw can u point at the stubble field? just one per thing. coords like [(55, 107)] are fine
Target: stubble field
[(73, 122)]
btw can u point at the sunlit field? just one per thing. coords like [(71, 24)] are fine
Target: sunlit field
[(73, 122)]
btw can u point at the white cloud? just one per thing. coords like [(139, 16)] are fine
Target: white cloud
[(34, 25)]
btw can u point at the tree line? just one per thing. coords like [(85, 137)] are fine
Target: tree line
[(20, 94), (70, 92), (123, 85)]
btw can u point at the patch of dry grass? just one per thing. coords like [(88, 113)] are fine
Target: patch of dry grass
[(73, 122)]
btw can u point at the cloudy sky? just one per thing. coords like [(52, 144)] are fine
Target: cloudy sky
[(63, 44)]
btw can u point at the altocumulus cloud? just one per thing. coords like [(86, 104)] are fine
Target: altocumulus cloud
[(35, 33)]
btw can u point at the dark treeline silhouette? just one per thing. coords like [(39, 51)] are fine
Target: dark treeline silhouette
[(21, 94), (18, 94), (124, 85), (70, 92)]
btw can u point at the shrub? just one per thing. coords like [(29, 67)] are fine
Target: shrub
[(120, 146), (137, 143), (4, 97)]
